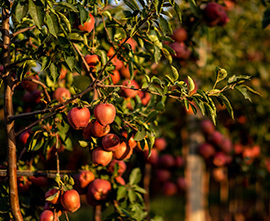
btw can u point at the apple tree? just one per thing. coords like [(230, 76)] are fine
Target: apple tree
[(84, 84)]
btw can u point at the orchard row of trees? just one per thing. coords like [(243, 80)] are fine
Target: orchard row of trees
[(87, 86)]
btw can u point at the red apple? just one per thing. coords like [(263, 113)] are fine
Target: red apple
[(29, 85), (166, 161), (180, 34), (153, 158), (131, 142), (79, 118), (179, 161), (52, 192), (70, 200), (160, 143), (39, 181), (214, 14), (207, 126), (131, 84), (121, 166), (99, 130), (226, 145), (215, 138), (23, 184), (63, 73), (24, 136), (145, 97), (110, 142), (88, 26), (115, 76), (48, 215), (169, 188), (98, 191), (61, 94), (124, 71), (84, 178), (87, 131), (181, 50), (219, 174), (207, 150), (123, 152), (238, 148), (115, 61), (105, 113), (181, 183), (163, 175), (221, 159), (101, 156), (91, 60)]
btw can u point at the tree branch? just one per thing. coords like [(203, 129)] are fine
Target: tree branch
[(9, 125), (22, 30)]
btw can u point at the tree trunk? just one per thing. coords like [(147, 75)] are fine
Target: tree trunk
[(9, 125)]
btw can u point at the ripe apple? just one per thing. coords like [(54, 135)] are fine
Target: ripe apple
[(24, 136), (120, 180), (219, 174), (160, 143), (181, 183), (132, 43), (131, 142), (87, 131), (105, 113), (163, 175), (88, 26), (267, 164), (238, 148), (50, 193), (79, 118), (220, 159), (63, 73), (124, 71), (39, 181), (130, 92), (101, 156), (214, 14), (84, 178), (110, 142), (23, 184), (166, 161), (207, 150), (115, 76), (226, 145), (123, 152), (207, 126), (99, 130), (180, 34), (179, 161), (153, 158), (181, 50), (29, 85), (121, 166), (145, 97), (91, 60), (48, 215), (169, 188), (61, 94), (115, 61), (70, 200), (215, 138), (98, 190)]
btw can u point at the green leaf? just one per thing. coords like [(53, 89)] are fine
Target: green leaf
[(65, 20), (121, 193), (132, 4), (165, 26), (157, 54), (131, 196), (135, 176), (81, 82), (21, 10), (167, 55), (68, 144), (228, 105), (266, 18), (70, 61), (244, 92), (50, 198), (220, 74), (191, 84), (238, 79), (178, 12), (139, 189), (140, 135), (67, 5), (107, 14), (52, 24), (54, 72), (84, 15), (174, 75), (36, 10)]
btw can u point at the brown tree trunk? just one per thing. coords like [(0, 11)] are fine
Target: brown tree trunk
[(11, 139), (98, 213)]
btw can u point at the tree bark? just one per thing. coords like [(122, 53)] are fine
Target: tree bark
[(98, 213), (9, 125)]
